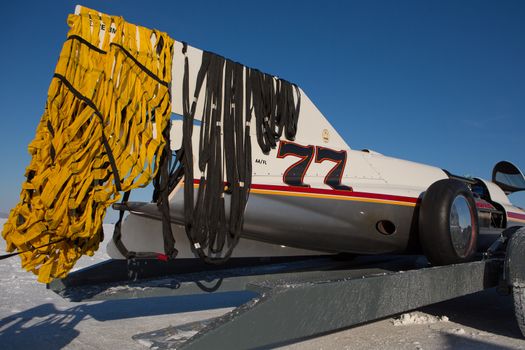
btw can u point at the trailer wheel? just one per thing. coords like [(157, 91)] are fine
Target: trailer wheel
[(448, 223)]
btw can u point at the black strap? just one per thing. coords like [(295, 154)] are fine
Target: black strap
[(163, 200), (161, 192), (5, 256), (163, 183), (117, 235), (224, 142), (140, 65), (117, 230), (85, 42), (225, 146), (101, 118)]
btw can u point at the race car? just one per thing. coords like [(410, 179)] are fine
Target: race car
[(313, 194), (250, 168)]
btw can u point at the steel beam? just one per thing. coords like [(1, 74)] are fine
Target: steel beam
[(288, 312)]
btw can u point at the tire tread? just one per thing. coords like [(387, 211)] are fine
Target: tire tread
[(518, 291)]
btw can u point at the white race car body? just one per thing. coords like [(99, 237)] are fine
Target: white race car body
[(316, 194)]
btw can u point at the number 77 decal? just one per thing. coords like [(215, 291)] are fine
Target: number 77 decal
[(295, 173), (333, 178)]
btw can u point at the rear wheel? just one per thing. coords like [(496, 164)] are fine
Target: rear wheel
[(448, 223)]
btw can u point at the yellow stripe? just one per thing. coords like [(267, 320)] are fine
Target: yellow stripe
[(327, 196), (335, 197)]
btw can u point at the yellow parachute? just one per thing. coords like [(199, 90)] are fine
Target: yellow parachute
[(101, 133)]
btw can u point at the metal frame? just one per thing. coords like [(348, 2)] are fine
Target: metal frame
[(287, 313), (297, 299)]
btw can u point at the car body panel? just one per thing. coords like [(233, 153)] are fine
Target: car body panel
[(316, 194)]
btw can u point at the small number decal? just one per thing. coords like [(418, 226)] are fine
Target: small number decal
[(294, 175)]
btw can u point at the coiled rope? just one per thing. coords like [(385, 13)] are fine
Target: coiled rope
[(103, 131), (233, 93)]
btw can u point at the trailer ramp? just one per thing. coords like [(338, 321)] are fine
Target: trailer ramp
[(295, 298), (289, 311)]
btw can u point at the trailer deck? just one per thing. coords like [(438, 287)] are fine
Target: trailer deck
[(295, 298)]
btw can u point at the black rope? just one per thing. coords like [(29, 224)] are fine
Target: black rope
[(162, 189), (140, 65), (161, 186), (225, 146), (101, 119), (85, 42), (117, 237), (163, 200), (5, 256)]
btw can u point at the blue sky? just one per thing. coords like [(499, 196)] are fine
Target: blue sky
[(438, 82)]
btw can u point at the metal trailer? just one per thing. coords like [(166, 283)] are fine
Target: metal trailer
[(300, 297)]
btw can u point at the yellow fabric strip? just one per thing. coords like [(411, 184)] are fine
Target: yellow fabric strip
[(124, 71)]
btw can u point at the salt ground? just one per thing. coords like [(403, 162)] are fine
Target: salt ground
[(33, 317)]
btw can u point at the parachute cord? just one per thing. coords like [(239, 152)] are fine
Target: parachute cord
[(101, 118), (101, 134), (5, 256), (163, 202), (233, 93), (140, 65)]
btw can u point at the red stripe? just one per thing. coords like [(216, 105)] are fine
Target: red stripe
[(516, 215), (484, 205), (335, 192), (331, 192)]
